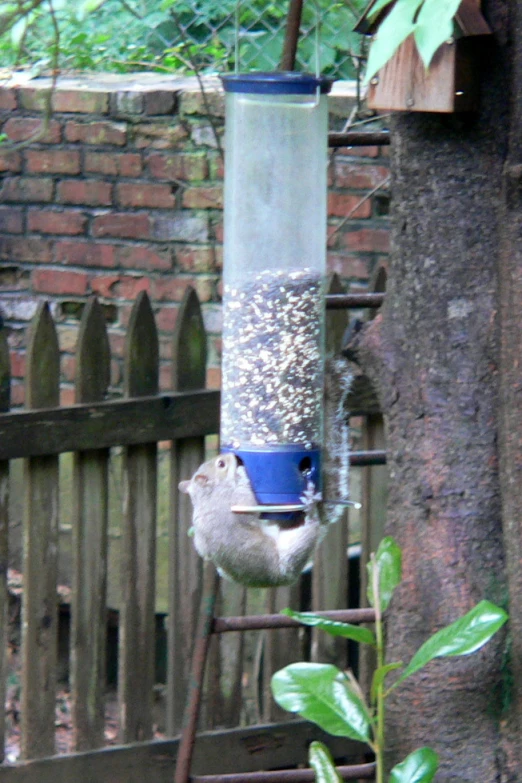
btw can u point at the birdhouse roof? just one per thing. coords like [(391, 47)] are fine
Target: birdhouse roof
[(469, 19)]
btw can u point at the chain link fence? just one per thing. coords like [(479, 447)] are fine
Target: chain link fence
[(184, 36), (220, 35)]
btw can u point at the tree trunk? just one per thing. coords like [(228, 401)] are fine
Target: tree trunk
[(433, 355), (510, 410)]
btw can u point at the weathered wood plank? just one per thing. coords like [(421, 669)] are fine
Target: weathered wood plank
[(244, 750), (40, 552), (138, 573), (281, 647), (189, 352), (90, 501), (104, 424), (5, 387), (330, 572)]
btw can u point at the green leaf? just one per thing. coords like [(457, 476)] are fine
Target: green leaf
[(462, 637), (388, 561), (393, 30), (321, 693), (434, 26), (322, 763), (379, 676), (419, 767), (377, 8), (334, 628)]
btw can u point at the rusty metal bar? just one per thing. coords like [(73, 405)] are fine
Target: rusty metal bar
[(260, 622), (293, 25), (363, 458), (359, 139), (352, 301), (199, 659), (351, 772)]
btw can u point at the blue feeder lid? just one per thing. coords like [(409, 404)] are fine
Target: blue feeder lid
[(276, 83)]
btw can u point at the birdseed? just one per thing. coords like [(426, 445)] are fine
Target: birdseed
[(272, 387)]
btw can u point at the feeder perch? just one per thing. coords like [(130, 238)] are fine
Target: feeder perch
[(274, 272), (451, 83)]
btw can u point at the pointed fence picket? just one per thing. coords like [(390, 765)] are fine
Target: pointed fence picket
[(89, 586), (40, 552), (137, 422), (189, 357), (5, 389), (138, 573)]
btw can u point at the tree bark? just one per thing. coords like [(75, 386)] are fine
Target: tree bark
[(433, 354), (510, 409)]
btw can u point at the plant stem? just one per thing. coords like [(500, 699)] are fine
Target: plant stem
[(379, 636)]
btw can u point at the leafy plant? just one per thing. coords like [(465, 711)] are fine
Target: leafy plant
[(431, 23), (174, 35), (333, 699)]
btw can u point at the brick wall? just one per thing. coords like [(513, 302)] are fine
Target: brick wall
[(121, 192)]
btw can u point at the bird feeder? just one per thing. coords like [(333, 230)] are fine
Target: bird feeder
[(451, 82), (274, 282)]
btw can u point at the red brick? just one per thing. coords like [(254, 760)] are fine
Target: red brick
[(79, 191), (52, 161), (177, 167), (142, 194), (216, 167), (103, 285), (166, 318), (18, 364), (171, 289), (344, 204), (117, 224), (130, 164), (13, 278), (68, 368), (376, 240), (203, 198), (113, 164), (159, 136), (31, 189), (7, 99), (17, 394), (59, 281), (129, 287), (213, 378), (31, 250), (81, 101), (47, 221), (117, 343), (116, 372), (85, 254), (358, 152), (114, 133), (67, 396), (160, 102), (348, 266), (24, 128), (10, 161), (11, 220), (353, 175), (165, 377), (139, 257)]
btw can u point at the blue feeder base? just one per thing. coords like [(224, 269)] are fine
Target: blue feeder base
[(280, 474)]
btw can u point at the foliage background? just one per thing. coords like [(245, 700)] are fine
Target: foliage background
[(177, 35)]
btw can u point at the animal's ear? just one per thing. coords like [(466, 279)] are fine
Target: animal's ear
[(183, 486), (201, 479)]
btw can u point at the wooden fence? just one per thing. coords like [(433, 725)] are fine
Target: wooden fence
[(241, 664)]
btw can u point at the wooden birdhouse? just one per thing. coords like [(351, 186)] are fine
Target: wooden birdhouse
[(451, 82)]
